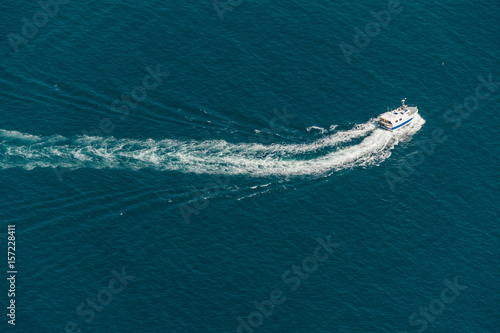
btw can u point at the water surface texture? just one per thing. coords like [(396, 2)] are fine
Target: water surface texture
[(197, 166)]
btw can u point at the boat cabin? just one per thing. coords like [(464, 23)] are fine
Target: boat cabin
[(396, 118)]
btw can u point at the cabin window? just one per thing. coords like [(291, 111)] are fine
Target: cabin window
[(400, 119), (396, 121)]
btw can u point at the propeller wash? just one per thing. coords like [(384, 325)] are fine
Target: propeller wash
[(363, 145)]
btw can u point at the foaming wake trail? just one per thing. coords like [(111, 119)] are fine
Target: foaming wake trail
[(363, 145)]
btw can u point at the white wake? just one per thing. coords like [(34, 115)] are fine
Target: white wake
[(363, 145)]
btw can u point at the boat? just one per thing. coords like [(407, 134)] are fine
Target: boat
[(397, 118)]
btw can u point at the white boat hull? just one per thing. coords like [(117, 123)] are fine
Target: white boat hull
[(397, 118)]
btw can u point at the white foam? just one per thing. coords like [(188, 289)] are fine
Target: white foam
[(18, 135), (332, 153), (317, 128)]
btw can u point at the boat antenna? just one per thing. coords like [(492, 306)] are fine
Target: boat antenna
[(403, 101)]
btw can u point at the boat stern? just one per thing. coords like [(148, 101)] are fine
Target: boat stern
[(385, 123)]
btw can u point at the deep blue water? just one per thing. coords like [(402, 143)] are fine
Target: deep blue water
[(255, 138)]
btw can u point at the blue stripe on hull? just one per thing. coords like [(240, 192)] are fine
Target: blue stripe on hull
[(406, 122)]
